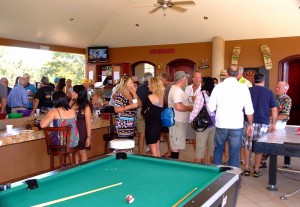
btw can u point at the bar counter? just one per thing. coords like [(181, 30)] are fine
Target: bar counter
[(23, 153)]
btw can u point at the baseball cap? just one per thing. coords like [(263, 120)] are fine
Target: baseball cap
[(56, 79), (180, 74), (98, 85), (84, 81)]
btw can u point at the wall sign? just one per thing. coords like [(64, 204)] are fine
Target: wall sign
[(162, 51)]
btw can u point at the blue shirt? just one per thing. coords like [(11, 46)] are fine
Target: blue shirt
[(263, 100), (18, 97), (32, 88)]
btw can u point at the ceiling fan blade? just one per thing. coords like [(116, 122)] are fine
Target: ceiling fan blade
[(155, 9), (178, 8), (143, 5), (182, 2)]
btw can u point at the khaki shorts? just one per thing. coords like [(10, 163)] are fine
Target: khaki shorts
[(205, 140), (140, 121), (190, 132), (178, 135)]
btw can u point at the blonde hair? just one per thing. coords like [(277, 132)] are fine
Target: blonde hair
[(122, 87), (98, 93), (157, 86)]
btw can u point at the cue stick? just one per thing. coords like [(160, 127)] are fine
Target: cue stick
[(184, 197), (75, 196)]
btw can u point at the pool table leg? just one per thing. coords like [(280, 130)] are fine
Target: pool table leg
[(272, 173)]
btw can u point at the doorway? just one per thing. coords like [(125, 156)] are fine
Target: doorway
[(185, 65), (139, 68), (289, 71)]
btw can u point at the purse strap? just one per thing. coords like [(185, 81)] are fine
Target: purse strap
[(203, 98)]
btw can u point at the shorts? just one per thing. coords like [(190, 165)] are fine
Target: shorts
[(178, 135), (258, 131), (205, 140), (190, 132), (140, 121)]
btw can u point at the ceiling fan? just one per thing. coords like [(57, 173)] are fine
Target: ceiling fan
[(165, 4)]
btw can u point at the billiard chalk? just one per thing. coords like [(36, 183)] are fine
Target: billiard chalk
[(31, 184), (129, 198), (121, 156), (8, 185)]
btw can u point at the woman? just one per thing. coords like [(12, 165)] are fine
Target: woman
[(205, 138), (151, 112), (61, 115), (81, 105), (61, 86), (126, 104), (98, 100)]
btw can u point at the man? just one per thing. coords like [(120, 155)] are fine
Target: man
[(142, 92), (166, 80), (3, 97), (229, 99), (241, 78), (263, 101), (30, 88), (42, 98), (69, 85), (4, 81), (178, 100), (18, 97), (244, 81), (191, 91), (284, 104)]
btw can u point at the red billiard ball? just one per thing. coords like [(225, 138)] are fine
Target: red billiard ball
[(129, 198)]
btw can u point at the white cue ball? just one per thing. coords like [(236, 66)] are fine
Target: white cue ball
[(129, 198)]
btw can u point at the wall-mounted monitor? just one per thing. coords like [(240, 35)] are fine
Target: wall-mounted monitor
[(98, 54)]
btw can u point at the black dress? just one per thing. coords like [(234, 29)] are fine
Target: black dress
[(81, 125), (153, 124)]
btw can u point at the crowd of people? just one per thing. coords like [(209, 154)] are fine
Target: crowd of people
[(240, 113)]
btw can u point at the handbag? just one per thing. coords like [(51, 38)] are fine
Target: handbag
[(167, 117), (202, 120)]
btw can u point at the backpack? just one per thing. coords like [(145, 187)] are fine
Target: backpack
[(167, 117)]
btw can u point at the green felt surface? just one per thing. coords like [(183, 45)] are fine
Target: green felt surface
[(152, 182)]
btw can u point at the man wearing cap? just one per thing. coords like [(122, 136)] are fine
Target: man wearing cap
[(43, 96), (263, 100), (178, 100), (229, 99), (31, 90)]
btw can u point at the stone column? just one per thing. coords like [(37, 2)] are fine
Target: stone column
[(218, 55)]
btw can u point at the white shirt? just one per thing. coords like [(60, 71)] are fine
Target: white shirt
[(190, 92), (177, 95), (228, 99)]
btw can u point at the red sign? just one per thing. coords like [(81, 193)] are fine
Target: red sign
[(162, 51)]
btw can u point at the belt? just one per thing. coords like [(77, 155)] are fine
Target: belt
[(18, 107)]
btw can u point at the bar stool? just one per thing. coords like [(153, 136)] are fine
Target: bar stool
[(111, 135), (63, 149)]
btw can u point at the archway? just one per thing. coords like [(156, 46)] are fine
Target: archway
[(139, 68), (185, 65), (289, 71)]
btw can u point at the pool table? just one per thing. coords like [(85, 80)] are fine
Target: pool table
[(152, 182)]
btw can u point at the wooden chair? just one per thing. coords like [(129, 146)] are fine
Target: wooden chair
[(111, 135), (62, 150)]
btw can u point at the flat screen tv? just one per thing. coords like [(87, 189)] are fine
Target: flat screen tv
[(97, 54)]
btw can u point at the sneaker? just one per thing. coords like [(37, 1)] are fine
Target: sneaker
[(257, 173), (286, 166), (246, 173)]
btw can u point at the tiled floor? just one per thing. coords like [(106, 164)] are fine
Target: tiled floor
[(253, 192)]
